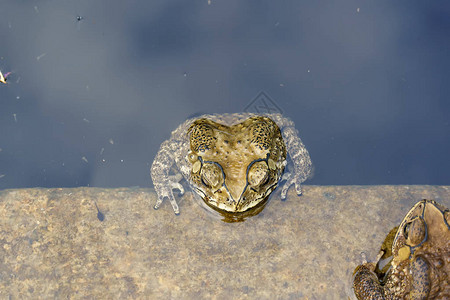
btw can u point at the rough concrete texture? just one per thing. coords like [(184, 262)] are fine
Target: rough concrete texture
[(53, 245)]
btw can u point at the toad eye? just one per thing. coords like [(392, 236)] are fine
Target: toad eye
[(258, 174), (212, 175), (415, 232)]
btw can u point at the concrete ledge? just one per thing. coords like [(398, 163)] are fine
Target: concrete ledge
[(53, 243)]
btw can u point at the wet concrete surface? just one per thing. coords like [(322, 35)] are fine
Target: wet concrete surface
[(54, 243)]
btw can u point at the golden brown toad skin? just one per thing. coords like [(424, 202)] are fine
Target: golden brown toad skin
[(421, 259), (236, 167), (233, 161)]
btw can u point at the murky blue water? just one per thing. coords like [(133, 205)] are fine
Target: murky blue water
[(98, 85)]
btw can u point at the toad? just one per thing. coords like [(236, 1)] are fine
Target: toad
[(420, 263), (233, 161)]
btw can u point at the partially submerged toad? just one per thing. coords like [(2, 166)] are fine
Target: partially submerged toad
[(233, 161), (420, 263)]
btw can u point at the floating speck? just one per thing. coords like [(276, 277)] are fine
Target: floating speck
[(101, 151), (309, 70), (86, 120), (121, 160), (79, 19), (15, 118), (84, 159), (111, 141), (185, 74), (281, 84), (36, 9), (2, 175), (357, 10), (41, 56)]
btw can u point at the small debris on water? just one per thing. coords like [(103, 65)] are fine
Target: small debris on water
[(79, 19), (41, 56), (84, 159)]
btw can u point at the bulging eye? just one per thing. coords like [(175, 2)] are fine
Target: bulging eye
[(414, 232), (258, 174), (212, 175)]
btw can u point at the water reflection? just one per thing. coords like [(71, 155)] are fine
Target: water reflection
[(346, 73)]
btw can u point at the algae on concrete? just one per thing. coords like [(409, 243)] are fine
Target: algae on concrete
[(54, 243)]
